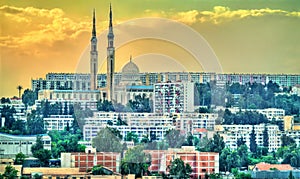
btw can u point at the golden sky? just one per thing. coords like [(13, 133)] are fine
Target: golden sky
[(245, 36)]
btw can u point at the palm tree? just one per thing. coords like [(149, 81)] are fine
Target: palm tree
[(19, 87)]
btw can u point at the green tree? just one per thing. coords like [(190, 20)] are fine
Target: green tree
[(5, 100), (291, 175), (20, 157), (105, 105), (174, 139), (39, 152), (99, 170), (132, 136), (135, 161), (253, 144), (140, 104), (286, 140), (8, 112), (29, 97), (179, 169), (35, 123), (240, 141), (106, 141), (19, 127), (10, 172), (216, 144), (19, 88), (242, 152), (266, 138)]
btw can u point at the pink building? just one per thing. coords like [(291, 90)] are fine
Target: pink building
[(201, 162)]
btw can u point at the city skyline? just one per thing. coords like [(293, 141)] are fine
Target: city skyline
[(255, 38)]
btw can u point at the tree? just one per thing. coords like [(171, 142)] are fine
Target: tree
[(135, 161), (35, 124), (140, 104), (291, 175), (266, 138), (19, 88), (105, 105), (240, 141), (242, 152), (8, 113), (253, 144), (99, 170), (286, 140), (216, 144), (174, 139), (179, 169), (20, 157), (106, 141), (29, 97), (132, 136), (5, 100), (189, 140), (10, 172), (39, 152)]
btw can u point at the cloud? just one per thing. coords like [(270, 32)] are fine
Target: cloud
[(32, 25), (188, 17), (219, 14)]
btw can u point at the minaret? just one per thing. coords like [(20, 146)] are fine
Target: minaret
[(110, 58), (94, 56)]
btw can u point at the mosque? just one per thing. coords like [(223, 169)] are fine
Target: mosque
[(130, 84)]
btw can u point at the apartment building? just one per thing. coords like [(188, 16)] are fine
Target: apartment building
[(231, 133), (201, 162), (58, 122), (86, 160), (173, 97)]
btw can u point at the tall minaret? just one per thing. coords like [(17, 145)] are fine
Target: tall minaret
[(94, 56), (110, 58)]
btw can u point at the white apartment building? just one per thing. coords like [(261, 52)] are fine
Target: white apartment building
[(86, 99), (231, 133), (183, 121), (18, 105), (58, 122), (173, 97), (273, 113), (270, 113), (90, 131)]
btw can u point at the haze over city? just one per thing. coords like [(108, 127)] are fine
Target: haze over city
[(38, 37)]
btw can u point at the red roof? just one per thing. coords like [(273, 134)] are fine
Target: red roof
[(200, 130), (266, 166)]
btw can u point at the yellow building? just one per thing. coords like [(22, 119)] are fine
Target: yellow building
[(288, 123)]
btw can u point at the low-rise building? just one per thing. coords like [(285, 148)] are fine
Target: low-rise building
[(58, 122), (10, 145), (86, 160), (90, 131), (201, 162), (231, 133)]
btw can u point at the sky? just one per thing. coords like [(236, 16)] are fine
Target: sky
[(230, 36)]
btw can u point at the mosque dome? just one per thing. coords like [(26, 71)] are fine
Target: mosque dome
[(130, 74), (130, 68)]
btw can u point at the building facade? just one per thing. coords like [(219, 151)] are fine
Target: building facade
[(231, 133), (175, 97), (200, 162), (10, 145), (58, 122)]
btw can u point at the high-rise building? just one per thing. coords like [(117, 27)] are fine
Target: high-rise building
[(177, 97), (110, 58), (94, 56)]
